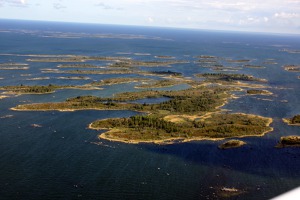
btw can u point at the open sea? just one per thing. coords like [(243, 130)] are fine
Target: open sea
[(63, 159)]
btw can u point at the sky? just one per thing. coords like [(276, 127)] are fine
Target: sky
[(277, 16)]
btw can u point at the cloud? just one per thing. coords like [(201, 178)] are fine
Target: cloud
[(284, 15), (58, 6), (106, 6), (150, 20), (14, 3)]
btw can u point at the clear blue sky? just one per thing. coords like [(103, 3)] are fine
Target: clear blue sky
[(281, 16)]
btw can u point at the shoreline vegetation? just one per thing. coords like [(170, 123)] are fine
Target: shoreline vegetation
[(41, 89), (289, 141), (293, 121), (231, 144), (187, 115), (201, 105), (259, 92), (230, 77)]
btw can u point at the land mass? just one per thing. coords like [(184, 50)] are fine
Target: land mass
[(295, 120), (292, 68), (159, 125), (289, 141), (232, 144)]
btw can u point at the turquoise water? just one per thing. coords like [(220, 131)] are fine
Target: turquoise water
[(60, 160)]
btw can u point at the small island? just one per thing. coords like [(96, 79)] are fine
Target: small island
[(229, 77), (292, 68), (254, 66), (294, 121), (238, 61), (258, 92), (42, 89), (289, 141), (159, 84), (231, 144)]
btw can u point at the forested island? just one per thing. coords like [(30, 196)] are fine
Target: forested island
[(42, 89), (190, 114)]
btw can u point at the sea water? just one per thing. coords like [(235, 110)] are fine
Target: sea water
[(63, 159)]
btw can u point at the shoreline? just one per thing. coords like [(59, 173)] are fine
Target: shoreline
[(287, 121), (178, 139)]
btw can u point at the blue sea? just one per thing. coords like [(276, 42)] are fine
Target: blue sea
[(63, 159)]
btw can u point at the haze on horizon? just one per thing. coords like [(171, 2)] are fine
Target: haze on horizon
[(276, 16)]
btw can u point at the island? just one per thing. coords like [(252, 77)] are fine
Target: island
[(190, 114), (164, 57), (231, 144), (254, 66), (238, 61), (159, 84), (292, 68), (258, 92), (289, 141), (42, 89), (226, 192), (79, 66), (294, 121), (229, 77), (114, 81)]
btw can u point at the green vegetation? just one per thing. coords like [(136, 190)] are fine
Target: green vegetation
[(170, 73), (41, 89), (37, 89), (289, 141), (258, 92), (295, 120), (112, 81), (239, 61), (229, 77), (183, 101), (160, 83), (154, 128), (189, 114), (231, 144)]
